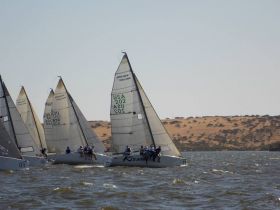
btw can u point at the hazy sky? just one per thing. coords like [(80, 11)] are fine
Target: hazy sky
[(193, 58)]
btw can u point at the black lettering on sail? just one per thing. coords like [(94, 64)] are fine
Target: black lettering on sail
[(119, 101)]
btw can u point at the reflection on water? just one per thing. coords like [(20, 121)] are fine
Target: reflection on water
[(212, 180)]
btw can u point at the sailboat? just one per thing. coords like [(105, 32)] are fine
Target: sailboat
[(16, 128), (10, 157), (135, 123), (31, 119), (67, 127)]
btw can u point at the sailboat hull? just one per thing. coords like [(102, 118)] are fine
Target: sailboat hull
[(35, 161), (140, 161), (9, 163), (77, 159)]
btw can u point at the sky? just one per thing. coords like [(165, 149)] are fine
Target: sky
[(192, 57)]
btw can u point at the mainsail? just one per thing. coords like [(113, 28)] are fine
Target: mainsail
[(69, 126), (14, 123), (8, 147), (134, 120), (30, 119)]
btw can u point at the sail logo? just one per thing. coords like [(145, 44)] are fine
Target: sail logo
[(123, 77), (119, 101), (132, 159), (21, 102)]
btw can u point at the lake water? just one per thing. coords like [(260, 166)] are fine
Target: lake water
[(212, 180)]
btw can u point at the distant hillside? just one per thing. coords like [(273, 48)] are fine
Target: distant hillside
[(215, 132)]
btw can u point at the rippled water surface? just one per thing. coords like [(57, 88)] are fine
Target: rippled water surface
[(212, 180)]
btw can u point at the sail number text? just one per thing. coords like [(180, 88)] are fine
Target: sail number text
[(119, 101)]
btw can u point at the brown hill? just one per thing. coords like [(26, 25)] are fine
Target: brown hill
[(215, 132)]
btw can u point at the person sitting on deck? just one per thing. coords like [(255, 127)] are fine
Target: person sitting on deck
[(152, 151), (86, 149), (68, 151), (80, 150), (91, 152), (146, 154), (141, 150), (157, 153), (43, 151), (126, 152)]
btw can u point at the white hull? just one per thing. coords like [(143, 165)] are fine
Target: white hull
[(77, 158), (9, 163), (139, 161), (35, 161)]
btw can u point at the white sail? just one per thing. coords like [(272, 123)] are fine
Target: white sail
[(159, 132), (15, 125), (129, 123), (30, 119), (91, 137), (69, 126), (134, 120), (8, 148), (48, 122)]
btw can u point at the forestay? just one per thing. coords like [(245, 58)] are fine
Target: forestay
[(15, 125), (30, 119)]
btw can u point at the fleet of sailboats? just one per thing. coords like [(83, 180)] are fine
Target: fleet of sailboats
[(67, 136)]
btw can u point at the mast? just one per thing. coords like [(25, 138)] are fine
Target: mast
[(33, 118), (76, 115), (138, 92), (7, 107)]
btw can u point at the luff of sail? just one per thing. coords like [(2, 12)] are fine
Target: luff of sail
[(30, 118), (48, 122), (134, 120), (69, 126), (14, 123), (8, 148)]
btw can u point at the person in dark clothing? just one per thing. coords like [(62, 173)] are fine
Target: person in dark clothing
[(141, 150), (85, 149), (126, 152), (157, 154), (146, 154), (43, 151), (91, 152), (67, 151)]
